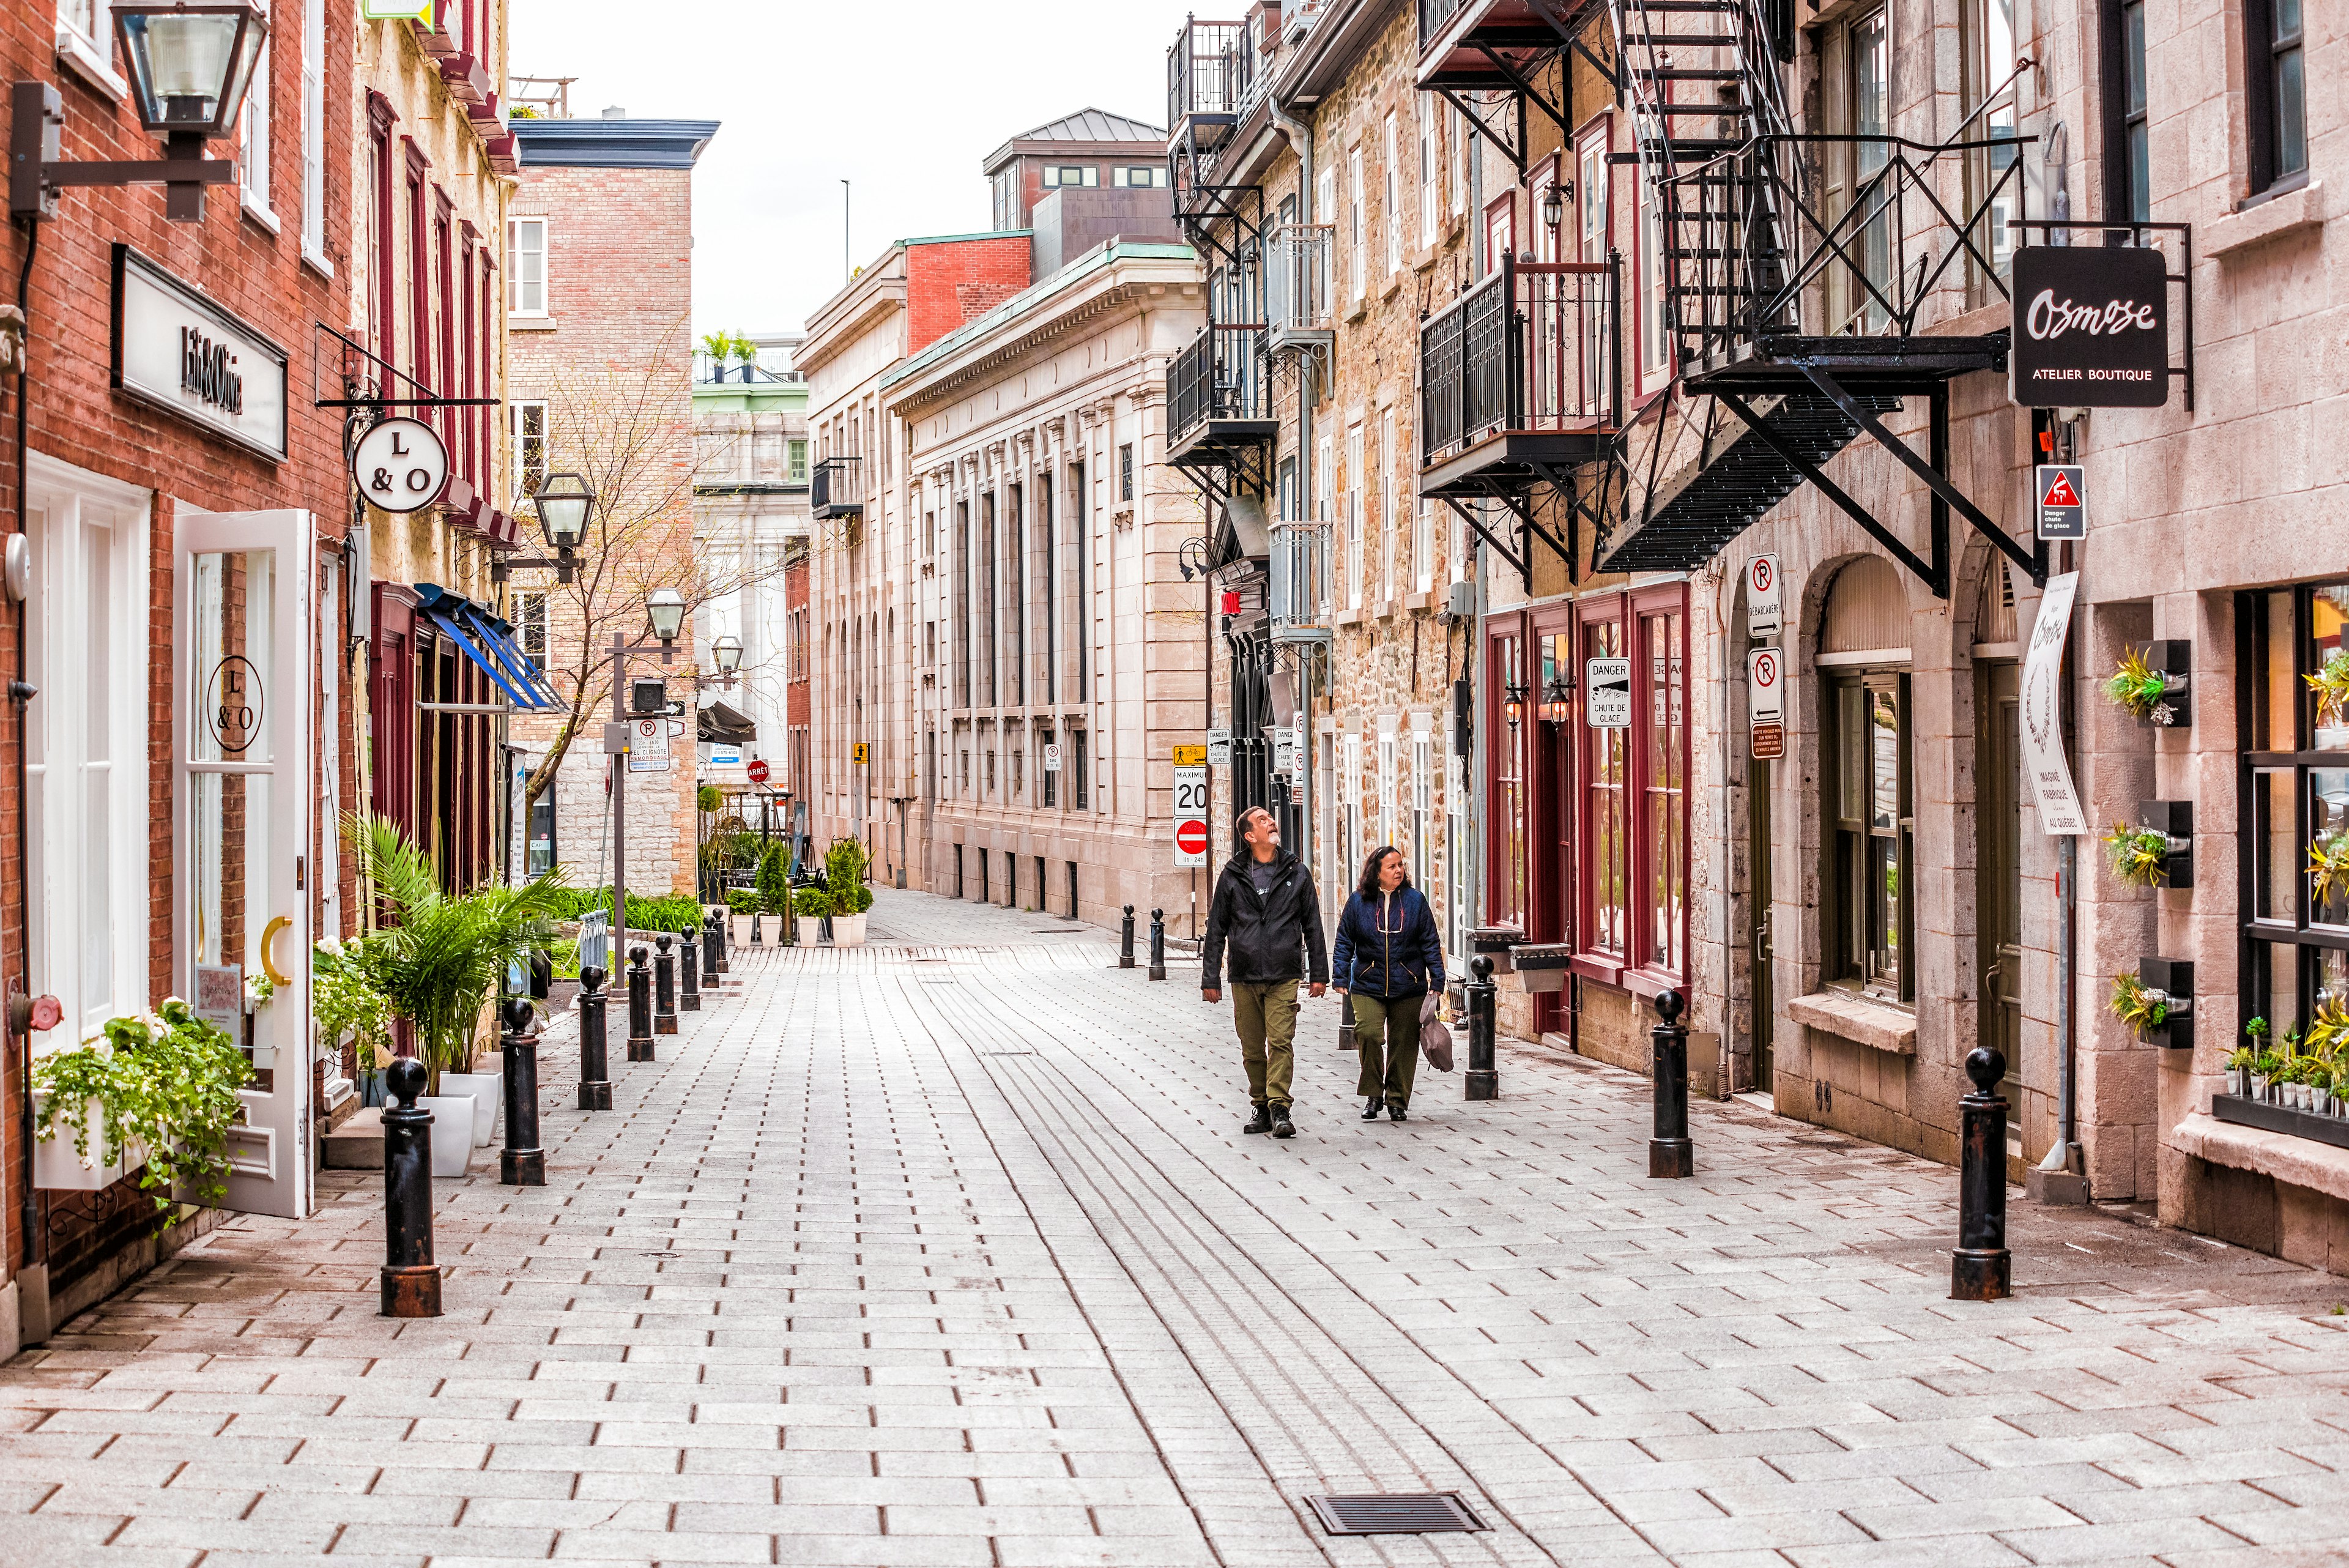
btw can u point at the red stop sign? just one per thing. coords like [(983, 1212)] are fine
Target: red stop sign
[(758, 771), (1191, 836)]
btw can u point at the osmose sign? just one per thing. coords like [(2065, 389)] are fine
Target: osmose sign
[(179, 351), (2091, 326)]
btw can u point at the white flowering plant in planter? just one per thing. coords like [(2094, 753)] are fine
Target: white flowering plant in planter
[(165, 1083)]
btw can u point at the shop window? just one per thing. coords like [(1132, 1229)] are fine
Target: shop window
[(544, 853), (2276, 94), (2295, 783), (253, 139), (1607, 812), (85, 794), (1871, 830), (1631, 872)]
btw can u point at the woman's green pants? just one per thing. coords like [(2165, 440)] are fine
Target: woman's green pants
[(1387, 1035)]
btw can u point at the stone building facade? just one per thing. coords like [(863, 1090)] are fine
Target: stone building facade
[(601, 354)]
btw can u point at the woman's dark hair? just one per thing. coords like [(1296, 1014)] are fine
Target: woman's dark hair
[(1368, 886)]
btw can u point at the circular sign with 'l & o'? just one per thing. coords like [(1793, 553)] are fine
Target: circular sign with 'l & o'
[(400, 466)]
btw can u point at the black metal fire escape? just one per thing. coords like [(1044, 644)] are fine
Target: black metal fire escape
[(1794, 324)]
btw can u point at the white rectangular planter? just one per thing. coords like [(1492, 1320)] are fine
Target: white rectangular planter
[(453, 1131), (57, 1168), (848, 930), (487, 1090)]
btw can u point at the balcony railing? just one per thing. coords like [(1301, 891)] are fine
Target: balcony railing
[(834, 490), (1296, 279), (1221, 376), (1208, 71), (1531, 350), (1299, 598)]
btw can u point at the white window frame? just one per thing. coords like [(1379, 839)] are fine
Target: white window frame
[(517, 414), (1423, 547), (314, 136), (1351, 848), (252, 131), (59, 831), (525, 603), (89, 50), (1389, 816), (1357, 235), (1431, 168), (1459, 163), (517, 230), (1326, 200), (1422, 798), (1390, 506), (1394, 188), (1355, 571)]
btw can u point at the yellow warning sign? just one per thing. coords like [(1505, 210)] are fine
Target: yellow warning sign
[(857, 753), (1190, 756)]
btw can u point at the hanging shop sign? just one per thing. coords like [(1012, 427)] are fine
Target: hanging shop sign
[(2091, 326), (178, 351), (2063, 492), (2044, 769), (1607, 693), (1190, 812), (400, 466), (1764, 617)]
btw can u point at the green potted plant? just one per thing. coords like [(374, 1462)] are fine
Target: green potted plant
[(2328, 872), (2139, 1006), (813, 906), (438, 962), (2246, 1058), (774, 883), (155, 1096), (2139, 689), (2141, 855), (843, 870), (2331, 685), (347, 1009)]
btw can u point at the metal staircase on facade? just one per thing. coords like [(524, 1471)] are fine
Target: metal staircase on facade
[(1794, 327)]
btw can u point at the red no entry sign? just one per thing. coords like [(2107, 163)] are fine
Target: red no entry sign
[(1191, 836)]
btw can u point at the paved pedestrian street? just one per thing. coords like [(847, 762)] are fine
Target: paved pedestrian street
[(950, 1251)]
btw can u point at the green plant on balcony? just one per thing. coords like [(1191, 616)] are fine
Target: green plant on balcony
[(168, 1083)]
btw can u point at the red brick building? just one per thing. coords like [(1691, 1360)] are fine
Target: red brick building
[(183, 509)]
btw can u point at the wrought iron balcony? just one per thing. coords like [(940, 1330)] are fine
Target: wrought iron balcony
[(1296, 286), (1522, 371), (831, 489), (1299, 605), (1218, 390), (1209, 69)]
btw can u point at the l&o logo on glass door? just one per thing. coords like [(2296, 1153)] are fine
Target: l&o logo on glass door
[(233, 704), (400, 466)]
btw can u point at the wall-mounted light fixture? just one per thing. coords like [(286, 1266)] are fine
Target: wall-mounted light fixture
[(190, 67)]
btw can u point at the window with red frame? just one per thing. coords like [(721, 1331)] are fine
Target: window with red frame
[(1633, 870), (1504, 759)]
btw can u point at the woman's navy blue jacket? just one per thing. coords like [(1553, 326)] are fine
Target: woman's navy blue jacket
[(1390, 951)]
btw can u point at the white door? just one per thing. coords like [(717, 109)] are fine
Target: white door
[(242, 789)]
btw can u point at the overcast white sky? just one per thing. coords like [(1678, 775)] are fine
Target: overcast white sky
[(901, 97)]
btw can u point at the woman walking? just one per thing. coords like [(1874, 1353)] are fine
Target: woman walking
[(1388, 957)]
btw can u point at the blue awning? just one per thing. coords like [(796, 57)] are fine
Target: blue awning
[(484, 641)]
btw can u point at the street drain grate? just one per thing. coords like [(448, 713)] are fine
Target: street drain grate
[(1397, 1513), (1007, 1052)]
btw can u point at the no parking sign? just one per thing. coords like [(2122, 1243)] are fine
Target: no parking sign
[(1765, 702)]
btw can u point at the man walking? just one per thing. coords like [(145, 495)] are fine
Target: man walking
[(1266, 910)]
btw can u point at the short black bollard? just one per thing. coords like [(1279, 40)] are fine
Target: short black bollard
[(1669, 1153), (1483, 1079), (411, 1280), (1981, 1269), (595, 1044), (1157, 944), (689, 973), (1125, 940), (522, 1163), (640, 1005), (713, 947), (664, 984)]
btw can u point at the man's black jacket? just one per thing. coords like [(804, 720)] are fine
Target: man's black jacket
[(1272, 936)]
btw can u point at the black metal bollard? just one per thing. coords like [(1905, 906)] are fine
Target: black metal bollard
[(1981, 1269), (522, 1163), (1483, 1079), (594, 1054), (689, 970), (640, 1005), (1157, 944), (1125, 940), (713, 947), (411, 1280), (664, 986), (1669, 1153)]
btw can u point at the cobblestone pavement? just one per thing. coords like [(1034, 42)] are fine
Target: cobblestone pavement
[(950, 1251)]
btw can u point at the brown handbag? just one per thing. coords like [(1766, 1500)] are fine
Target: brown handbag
[(1435, 1039)]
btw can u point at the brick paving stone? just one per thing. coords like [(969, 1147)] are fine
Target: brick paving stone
[(948, 1250)]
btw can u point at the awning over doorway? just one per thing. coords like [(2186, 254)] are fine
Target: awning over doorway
[(721, 725), (489, 643)]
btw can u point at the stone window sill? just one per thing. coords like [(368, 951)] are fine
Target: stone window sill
[(530, 323), (2300, 1161), (1847, 1015), (2273, 219), (92, 62)]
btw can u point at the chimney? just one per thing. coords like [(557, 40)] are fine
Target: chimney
[(615, 112)]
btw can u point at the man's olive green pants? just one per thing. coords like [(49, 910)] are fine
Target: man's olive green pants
[(1265, 1016)]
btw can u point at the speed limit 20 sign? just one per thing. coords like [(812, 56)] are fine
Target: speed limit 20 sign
[(1191, 815)]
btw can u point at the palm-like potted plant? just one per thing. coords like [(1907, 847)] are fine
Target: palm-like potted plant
[(2328, 873), (2141, 855), (440, 964), (2331, 685)]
